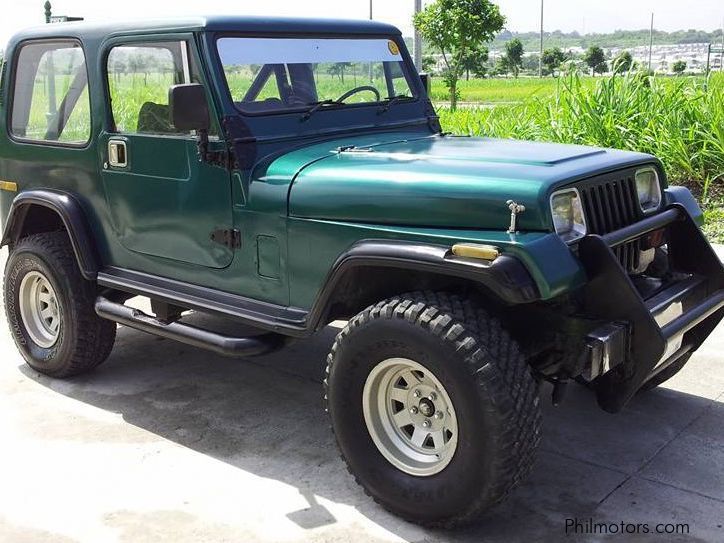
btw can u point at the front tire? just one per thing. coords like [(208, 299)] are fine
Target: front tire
[(49, 308), (433, 407)]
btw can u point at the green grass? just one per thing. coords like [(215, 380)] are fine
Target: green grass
[(679, 120), (494, 91), (714, 217), (511, 90)]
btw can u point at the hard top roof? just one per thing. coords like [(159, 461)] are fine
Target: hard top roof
[(215, 23)]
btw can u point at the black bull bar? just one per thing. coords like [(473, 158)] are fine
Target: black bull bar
[(610, 295)]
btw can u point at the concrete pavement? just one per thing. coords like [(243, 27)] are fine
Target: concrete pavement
[(169, 443)]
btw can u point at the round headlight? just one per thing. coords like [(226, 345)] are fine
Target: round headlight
[(649, 189), (568, 219)]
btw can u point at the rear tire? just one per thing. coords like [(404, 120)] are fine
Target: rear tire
[(50, 308), (458, 355)]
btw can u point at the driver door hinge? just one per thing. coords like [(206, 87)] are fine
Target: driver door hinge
[(230, 238)]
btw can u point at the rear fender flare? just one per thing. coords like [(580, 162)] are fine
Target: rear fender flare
[(71, 214)]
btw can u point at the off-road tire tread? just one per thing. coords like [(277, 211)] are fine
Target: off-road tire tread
[(95, 342), (497, 363)]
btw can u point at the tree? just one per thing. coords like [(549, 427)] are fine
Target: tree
[(457, 28), (514, 56), (623, 62), (501, 66), (552, 60), (338, 69), (679, 67), (429, 63), (595, 58), (475, 62), (531, 63), (119, 67)]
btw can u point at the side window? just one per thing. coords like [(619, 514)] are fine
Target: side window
[(139, 77), (50, 97)]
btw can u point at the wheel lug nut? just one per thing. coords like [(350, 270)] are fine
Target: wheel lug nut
[(432, 397), (414, 410), (416, 394), (438, 415), (426, 423)]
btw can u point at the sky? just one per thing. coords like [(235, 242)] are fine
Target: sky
[(523, 15)]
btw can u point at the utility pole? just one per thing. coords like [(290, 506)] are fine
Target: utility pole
[(418, 39), (721, 58), (651, 42), (370, 74), (540, 60)]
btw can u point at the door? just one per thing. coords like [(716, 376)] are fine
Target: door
[(163, 201)]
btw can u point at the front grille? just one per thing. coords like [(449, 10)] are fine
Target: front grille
[(610, 202)]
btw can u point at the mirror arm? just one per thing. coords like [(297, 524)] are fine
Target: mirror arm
[(202, 144), (215, 158)]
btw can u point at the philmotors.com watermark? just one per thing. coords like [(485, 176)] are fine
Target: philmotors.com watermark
[(589, 526)]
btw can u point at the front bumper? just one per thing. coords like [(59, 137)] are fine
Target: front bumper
[(671, 323)]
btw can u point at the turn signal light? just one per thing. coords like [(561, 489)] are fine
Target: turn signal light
[(474, 250)]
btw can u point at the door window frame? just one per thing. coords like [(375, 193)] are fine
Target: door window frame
[(10, 94), (192, 57)]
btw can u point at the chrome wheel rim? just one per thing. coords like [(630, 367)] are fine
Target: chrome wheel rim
[(39, 309), (410, 417)]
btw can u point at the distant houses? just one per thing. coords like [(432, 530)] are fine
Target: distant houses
[(663, 58)]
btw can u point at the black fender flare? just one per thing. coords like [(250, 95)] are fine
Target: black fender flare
[(71, 213), (506, 277)]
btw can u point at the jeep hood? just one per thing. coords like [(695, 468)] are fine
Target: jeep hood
[(438, 181)]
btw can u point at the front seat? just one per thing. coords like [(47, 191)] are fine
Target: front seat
[(155, 119)]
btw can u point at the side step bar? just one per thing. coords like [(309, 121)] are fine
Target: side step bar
[(190, 335)]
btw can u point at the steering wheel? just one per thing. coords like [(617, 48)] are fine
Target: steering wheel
[(362, 88)]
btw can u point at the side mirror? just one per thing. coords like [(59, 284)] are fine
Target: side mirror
[(426, 80), (189, 110)]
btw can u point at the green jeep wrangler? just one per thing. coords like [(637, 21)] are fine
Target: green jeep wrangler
[(288, 173)]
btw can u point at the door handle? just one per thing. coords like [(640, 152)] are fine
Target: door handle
[(117, 153)]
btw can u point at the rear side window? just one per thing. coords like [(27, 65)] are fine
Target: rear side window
[(50, 96), (139, 77)]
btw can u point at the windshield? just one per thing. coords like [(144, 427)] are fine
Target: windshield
[(278, 74)]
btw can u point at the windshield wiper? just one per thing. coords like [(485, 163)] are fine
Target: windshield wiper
[(392, 101), (316, 106)]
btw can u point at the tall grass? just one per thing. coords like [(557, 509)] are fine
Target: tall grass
[(681, 121), (499, 90)]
